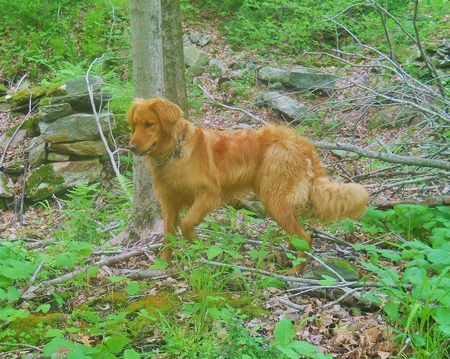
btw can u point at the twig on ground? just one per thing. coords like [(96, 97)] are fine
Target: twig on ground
[(232, 108), (290, 304), (33, 291), (387, 157)]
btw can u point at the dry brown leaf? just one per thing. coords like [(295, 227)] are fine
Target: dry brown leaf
[(371, 335)]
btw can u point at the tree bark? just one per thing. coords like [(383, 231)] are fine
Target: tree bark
[(173, 54), (158, 70)]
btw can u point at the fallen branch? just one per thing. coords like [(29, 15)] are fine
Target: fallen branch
[(215, 103), (387, 157), (34, 291), (429, 201)]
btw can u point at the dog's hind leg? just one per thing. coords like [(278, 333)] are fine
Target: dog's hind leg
[(284, 213), (284, 191)]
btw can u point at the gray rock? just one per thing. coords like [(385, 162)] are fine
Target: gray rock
[(194, 56), (298, 78), (57, 157), (13, 142), (81, 148), (79, 85), (216, 68), (57, 177), (82, 102), (5, 191), (50, 113), (204, 40), (194, 38), (196, 70), (77, 127), (36, 152), (286, 105)]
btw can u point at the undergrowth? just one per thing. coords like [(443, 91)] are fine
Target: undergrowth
[(412, 266), (409, 261)]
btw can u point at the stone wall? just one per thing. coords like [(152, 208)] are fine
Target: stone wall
[(68, 149)]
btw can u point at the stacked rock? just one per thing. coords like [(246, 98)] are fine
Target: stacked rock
[(67, 153)]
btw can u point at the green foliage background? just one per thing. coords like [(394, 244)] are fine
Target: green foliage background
[(45, 38)]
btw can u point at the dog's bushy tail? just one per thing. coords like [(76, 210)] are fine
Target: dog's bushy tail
[(334, 201)]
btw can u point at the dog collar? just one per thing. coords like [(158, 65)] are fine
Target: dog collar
[(177, 152)]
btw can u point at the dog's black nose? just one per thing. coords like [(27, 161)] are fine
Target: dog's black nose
[(133, 147)]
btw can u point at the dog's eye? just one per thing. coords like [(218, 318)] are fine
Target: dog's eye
[(148, 124)]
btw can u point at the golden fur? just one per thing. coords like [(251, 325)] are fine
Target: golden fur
[(199, 170)]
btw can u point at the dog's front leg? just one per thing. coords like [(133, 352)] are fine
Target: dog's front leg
[(170, 217), (203, 204)]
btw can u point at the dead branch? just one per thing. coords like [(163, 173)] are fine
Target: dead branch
[(429, 202), (387, 157), (40, 289), (232, 108), (90, 88)]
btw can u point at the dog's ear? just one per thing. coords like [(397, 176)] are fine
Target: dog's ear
[(131, 111), (168, 113)]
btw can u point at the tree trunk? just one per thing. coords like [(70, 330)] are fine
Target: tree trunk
[(158, 70), (173, 54)]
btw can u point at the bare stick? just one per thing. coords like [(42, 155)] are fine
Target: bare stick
[(102, 135), (387, 157), (215, 103)]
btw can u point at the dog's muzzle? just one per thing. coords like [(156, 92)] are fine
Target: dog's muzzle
[(134, 147)]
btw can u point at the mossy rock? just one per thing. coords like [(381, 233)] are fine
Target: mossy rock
[(347, 270), (3, 89), (22, 97), (29, 125), (56, 90), (55, 178), (5, 191)]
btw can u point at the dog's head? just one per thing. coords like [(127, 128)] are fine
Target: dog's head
[(152, 122)]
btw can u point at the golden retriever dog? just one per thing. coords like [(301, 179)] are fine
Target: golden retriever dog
[(199, 170)]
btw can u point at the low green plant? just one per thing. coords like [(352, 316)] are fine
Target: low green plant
[(220, 331), (415, 288), (89, 211)]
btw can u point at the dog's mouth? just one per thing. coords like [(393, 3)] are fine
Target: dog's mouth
[(147, 151)]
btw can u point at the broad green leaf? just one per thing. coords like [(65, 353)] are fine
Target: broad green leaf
[(115, 279), (254, 253), (116, 344), (300, 244), (160, 264), (83, 248), (213, 252), (284, 332), (15, 269), (291, 354), (131, 354), (303, 347), (52, 333), (270, 282), (327, 280), (92, 271), (63, 260), (13, 294), (132, 288), (44, 308), (55, 344)]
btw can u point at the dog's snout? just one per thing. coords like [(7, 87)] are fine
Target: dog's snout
[(133, 146)]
